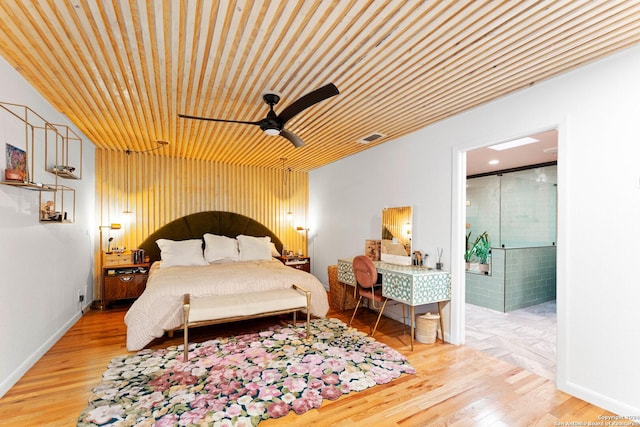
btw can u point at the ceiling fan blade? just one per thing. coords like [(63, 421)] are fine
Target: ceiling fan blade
[(184, 116), (307, 101), (295, 139)]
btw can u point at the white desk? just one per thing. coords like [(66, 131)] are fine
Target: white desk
[(408, 284)]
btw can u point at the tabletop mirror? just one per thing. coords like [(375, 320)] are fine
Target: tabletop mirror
[(396, 237)]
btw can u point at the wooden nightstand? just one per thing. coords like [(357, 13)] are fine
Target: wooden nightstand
[(123, 282), (298, 262)]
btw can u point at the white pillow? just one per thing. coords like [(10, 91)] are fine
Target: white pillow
[(180, 252), (254, 248), (220, 248), (274, 251)]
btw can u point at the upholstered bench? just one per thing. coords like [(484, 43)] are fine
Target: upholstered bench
[(209, 310)]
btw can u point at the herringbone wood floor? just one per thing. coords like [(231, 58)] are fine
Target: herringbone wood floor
[(454, 385)]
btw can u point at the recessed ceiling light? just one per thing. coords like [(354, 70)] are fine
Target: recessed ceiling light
[(494, 162), (514, 143)]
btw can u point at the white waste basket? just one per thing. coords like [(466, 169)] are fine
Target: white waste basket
[(427, 328)]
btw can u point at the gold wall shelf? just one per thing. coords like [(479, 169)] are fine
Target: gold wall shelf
[(67, 152), (29, 185), (62, 205), (58, 147), (63, 174)]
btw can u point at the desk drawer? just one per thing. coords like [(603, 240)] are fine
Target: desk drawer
[(398, 291), (345, 272)]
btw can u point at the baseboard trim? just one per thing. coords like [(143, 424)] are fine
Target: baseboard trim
[(15, 376), (620, 408)]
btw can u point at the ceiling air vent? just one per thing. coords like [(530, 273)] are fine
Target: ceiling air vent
[(370, 138)]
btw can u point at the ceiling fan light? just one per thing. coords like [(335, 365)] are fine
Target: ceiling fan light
[(272, 131)]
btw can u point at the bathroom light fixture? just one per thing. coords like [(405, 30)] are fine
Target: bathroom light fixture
[(514, 143)]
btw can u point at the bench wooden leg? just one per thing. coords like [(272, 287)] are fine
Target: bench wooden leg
[(186, 305)]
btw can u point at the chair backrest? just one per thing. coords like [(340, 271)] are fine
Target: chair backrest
[(365, 271)]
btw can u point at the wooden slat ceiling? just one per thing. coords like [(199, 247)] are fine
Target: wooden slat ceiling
[(122, 70)]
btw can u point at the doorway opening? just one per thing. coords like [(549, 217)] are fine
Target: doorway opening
[(510, 253)]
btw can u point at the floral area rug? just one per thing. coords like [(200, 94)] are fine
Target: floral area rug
[(241, 380)]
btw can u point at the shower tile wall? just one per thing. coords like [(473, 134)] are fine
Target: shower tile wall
[(528, 208), (530, 277), (517, 209), (519, 278), (483, 208), (487, 290)]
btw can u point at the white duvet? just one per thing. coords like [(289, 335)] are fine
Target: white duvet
[(159, 308)]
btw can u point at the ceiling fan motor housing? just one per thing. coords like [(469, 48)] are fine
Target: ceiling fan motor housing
[(270, 124)]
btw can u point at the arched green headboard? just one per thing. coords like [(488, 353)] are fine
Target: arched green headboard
[(196, 225)]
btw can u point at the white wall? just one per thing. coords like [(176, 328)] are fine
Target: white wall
[(597, 113), (42, 265)]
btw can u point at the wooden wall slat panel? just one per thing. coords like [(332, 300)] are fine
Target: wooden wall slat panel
[(165, 188)]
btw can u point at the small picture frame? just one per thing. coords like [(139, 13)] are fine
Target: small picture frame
[(16, 164)]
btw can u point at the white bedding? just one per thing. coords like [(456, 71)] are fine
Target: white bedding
[(159, 308)]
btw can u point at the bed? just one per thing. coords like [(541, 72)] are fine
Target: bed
[(178, 268)]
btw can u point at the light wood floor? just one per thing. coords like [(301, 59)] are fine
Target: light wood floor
[(454, 385)]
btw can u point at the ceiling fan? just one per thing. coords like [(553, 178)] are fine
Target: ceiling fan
[(274, 123)]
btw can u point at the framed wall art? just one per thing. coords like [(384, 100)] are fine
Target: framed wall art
[(16, 164)]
